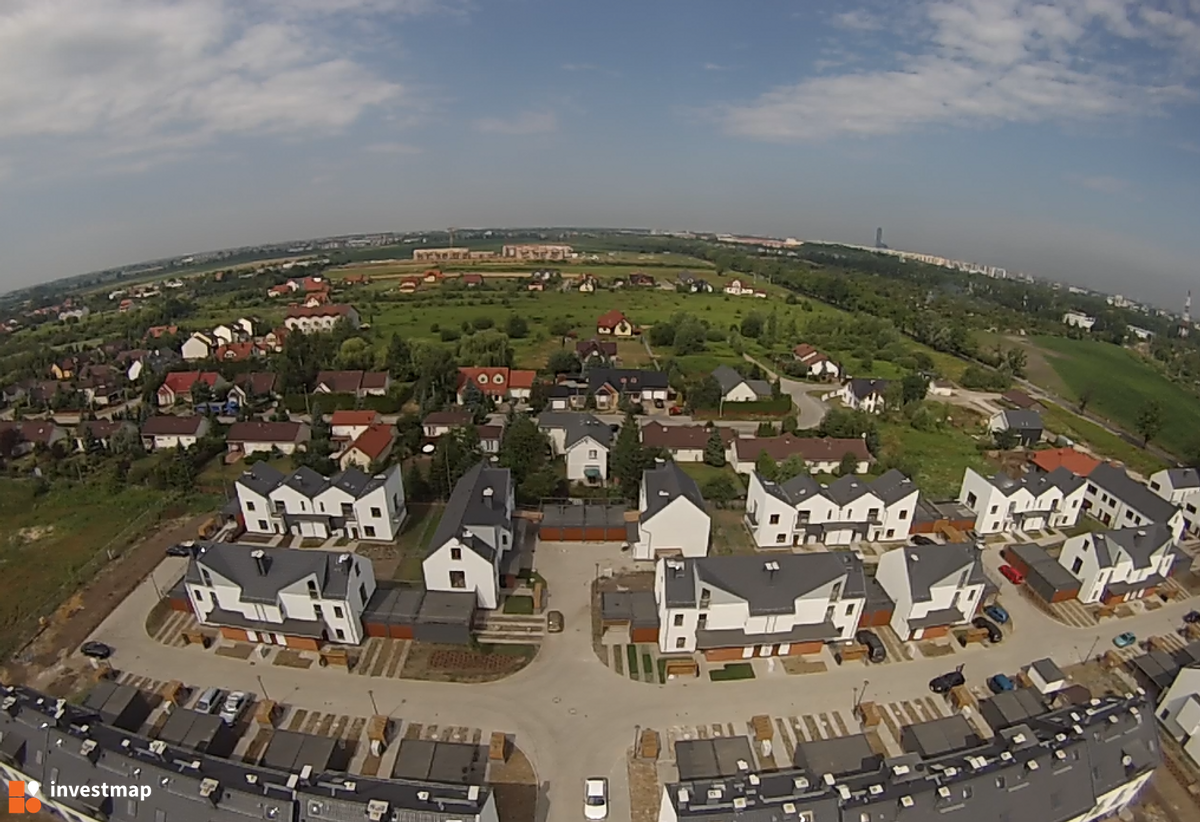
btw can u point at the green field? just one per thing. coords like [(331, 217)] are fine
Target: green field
[(937, 460), (1061, 421), (1122, 382)]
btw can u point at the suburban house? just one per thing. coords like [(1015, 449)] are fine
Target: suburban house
[(280, 596), (347, 425), (685, 443), (1019, 399), (473, 546), (318, 318), (251, 386), (177, 386), (490, 437), (1115, 566), (1179, 711), (1180, 486), (602, 351), (934, 587), (614, 324), (166, 431), (1025, 423), (198, 346), (736, 388), (471, 280), (242, 329), (1078, 319), (31, 433), (369, 448), (1120, 501), (350, 504), (101, 432), (802, 511), (607, 387), (819, 364), (864, 394), (497, 383), (358, 383), (640, 278), (1077, 462), (582, 439), (439, 423), (737, 288), (693, 284), (253, 436), (671, 516), (1033, 502), (740, 607), (823, 455)]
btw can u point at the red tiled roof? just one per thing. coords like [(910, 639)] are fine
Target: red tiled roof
[(375, 441), (519, 378), (319, 310), (811, 449), (315, 284), (355, 417), (235, 352), (472, 279), (611, 319), (181, 382), (340, 382), (1074, 461), (657, 435), (472, 375), (157, 331), (265, 432)]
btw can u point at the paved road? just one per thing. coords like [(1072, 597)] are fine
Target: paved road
[(572, 715), (806, 396)]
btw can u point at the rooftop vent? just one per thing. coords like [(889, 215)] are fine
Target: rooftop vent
[(743, 765), (1006, 756), (423, 796), (906, 801), (843, 792), (900, 770), (715, 793), (800, 783), (252, 779), (951, 772), (1060, 737), (473, 792), (663, 492), (293, 780), (1032, 765), (376, 810), (1127, 760), (1018, 739), (261, 562), (943, 792), (1113, 720), (875, 790), (739, 802), (306, 772), (208, 787), (158, 747), (753, 778), (87, 747), (1060, 755), (344, 559), (682, 796), (828, 779), (1077, 729), (789, 807)]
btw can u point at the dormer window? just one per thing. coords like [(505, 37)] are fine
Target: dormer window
[(312, 589), (482, 379)]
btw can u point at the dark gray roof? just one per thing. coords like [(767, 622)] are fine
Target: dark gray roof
[(939, 736), (261, 478), (447, 607), (1047, 670), (892, 487), (727, 378), (1009, 708), (627, 380), (679, 584), (1064, 479), (1022, 419), (837, 756), (927, 565), (1184, 477), (469, 507), (356, 482), (284, 567), (761, 388), (877, 598), (712, 758), (752, 579), (1117, 482), (664, 484), (1139, 543), (291, 626), (863, 388), (932, 619), (306, 481), (290, 751), (577, 426), (844, 490), (793, 491), (636, 607), (452, 763)]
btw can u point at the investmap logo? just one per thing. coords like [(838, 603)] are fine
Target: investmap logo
[(22, 797)]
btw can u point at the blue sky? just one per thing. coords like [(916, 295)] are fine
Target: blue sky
[(1060, 138)]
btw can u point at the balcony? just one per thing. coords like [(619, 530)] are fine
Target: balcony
[(752, 519)]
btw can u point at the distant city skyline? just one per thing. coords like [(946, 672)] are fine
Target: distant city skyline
[(1055, 138)]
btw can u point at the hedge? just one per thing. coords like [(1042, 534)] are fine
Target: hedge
[(391, 403)]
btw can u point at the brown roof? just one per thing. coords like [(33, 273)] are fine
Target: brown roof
[(340, 382), (657, 435), (810, 449), (490, 432), (265, 432), (447, 418), (606, 347), (102, 429), (257, 382), (346, 417), (1074, 461), (611, 319), (375, 441), (1019, 398), (42, 431), (165, 425), (374, 379)]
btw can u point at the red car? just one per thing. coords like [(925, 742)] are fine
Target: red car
[(675, 411), (1012, 574)]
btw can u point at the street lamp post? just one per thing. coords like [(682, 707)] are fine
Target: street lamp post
[(374, 707), (262, 686)]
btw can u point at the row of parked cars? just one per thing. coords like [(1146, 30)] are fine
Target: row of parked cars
[(228, 706)]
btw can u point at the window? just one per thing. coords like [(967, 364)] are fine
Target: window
[(262, 525), (338, 612), (903, 514), (312, 589), (829, 614), (702, 622), (375, 512), (850, 609), (318, 612), (1076, 565), (339, 633), (773, 519), (368, 530), (679, 620), (199, 595), (837, 590), (347, 509), (780, 539), (994, 509), (680, 642), (160, 816), (303, 507), (591, 453), (705, 597), (890, 533), (249, 505), (1000, 781), (873, 514), (456, 554), (1155, 486), (803, 518), (362, 593), (972, 499), (458, 579), (205, 577), (504, 539)]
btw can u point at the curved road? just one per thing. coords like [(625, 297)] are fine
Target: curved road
[(572, 715)]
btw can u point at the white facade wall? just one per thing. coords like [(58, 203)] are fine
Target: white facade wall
[(196, 347), (771, 521), (1079, 552), (257, 511), (251, 447), (587, 453), (953, 592), (1188, 499), (741, 393), (440, 570), (1116, 513), (897, 519), (347, 432), (679, 528)]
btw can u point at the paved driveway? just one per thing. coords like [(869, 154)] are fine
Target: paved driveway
[(572, 715)]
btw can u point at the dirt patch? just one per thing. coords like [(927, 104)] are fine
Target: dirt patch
[(34, 533), (292, 659), (516, 787), (800, 665), (239, 651), (645, 794), (935, 649), (453, 663)]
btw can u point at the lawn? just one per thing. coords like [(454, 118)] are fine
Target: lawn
[(518, 605), (218, 476), (702, 473), (938, 458), (1122, 382), (52, 543), (414, 539), (1059, 420), (729, 534), (732, 671)]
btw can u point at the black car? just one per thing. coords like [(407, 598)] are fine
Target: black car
[(180, 549), (96, 650), (993, 630), (878, 653), (944, 683), (920, 540), (1191, 617)]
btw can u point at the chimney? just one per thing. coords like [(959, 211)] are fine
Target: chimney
[(261, 561), (489, 495)]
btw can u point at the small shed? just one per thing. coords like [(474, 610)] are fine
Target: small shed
[(392, 611), (445, 617), (839, 755), (1044, 576), (635, 610), (203, 733), (713, 758), (879, 606), (1011, 708), (1046, 676), (587, 522), (451, 763)]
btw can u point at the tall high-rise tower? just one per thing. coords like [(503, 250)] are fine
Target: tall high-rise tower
[(879, 238), (1185, 322)]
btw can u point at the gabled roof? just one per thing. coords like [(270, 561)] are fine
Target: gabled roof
[(1117, 482), (1139, 544), (1184, 478), (727, 378), (453, 418), (306, 481), (795, 491), (182, 381), (576, 426), (611, 319), (354, 418), (286, 432), (927, 565), (469, 506), (375, 441), (845, 490), (608, 348), (657, 435), (261, 478), (283, 567), (1074, 461), (1019, 398), (165, 425), (664, 484), (811, 449), (892, 487), (1022, 420), (627, 379), (862, 387), (765, 588), (257, 382)]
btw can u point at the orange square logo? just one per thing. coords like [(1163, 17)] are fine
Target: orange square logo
[(17, 801)]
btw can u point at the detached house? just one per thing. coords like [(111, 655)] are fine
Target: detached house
[(602, 351), (802, 511), (614, 324), (358, 383), (280, 596), (1031, 503), (473, 546), (1025, 423), (439, 423), (1115, 566), (498, 383), (1120, 501), (583, 440), (318, 318), (31, 433), (671, 516), (610, 385), (737, 288), (736, 388), (178, 386), (350, 504), (1180, 486), (347, 425), (101, 432), (864, 394), (165, 431), (369, 447), (934, 587), (741, 607), (823, 455), (819, 365), (253, 436), (685, 443), (198, 347)]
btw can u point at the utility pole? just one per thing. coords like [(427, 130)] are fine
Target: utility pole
[(262, 686)]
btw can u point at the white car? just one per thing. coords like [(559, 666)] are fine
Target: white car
[(232, 709), (595, 798)]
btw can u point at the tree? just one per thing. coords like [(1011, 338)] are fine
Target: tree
[(478, 403), (1006, 439), (1086, 395), (789, 425), (893, 396), (355, 355), (714, 449), (416, 487), (765, 429), (752, 325), (562, 361), (766, 466), (913, 388), (9, 439), (524, 448), (454, 455), (1017, 360), (627, 459), (489, 349), (662, 334), (793, 466), (848, 465), (705, 393), (1150, 419), (398, 359), (561, 328), (436, 374), (690, 336), (517, 327), (721, 490), (538, 398)]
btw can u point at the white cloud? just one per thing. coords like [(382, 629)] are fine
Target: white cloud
[(981, 62), (528, 122), (107, 77), (715, 67), (393, 148), (1100, 183), (857, 20)]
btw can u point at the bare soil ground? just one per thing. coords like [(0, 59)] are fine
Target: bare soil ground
[(644, 790), (451, 663), (516, 787)]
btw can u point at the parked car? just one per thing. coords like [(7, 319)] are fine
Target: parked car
[(209, 699), (180, 549), (997, 614), (922, 540), (659, 404), (944, 683), (1000, 683), (1012, 574), (993, 630), (554, 622), (234, 704), (1125, 640), (675, 411), (878, 653), (1191, 617), (96, 650), (595, 798)]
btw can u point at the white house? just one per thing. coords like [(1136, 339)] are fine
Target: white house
[(801, 510), (934, 587), (1114, 566), (254, 436), (740, 607), (685, 443), (736, 388), (582, 439), (165, 431), (349, 425), (671, 516), (1024, 422), (1180, 486), (439, 423), (1179, 711), (737, 288), (864, 395), (198, 347), (350, 504), (818, 363), (1032, 503), (473, 546), (823, 455), (280, 596), (1077, 319), (319, 318), (1120, 501)]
